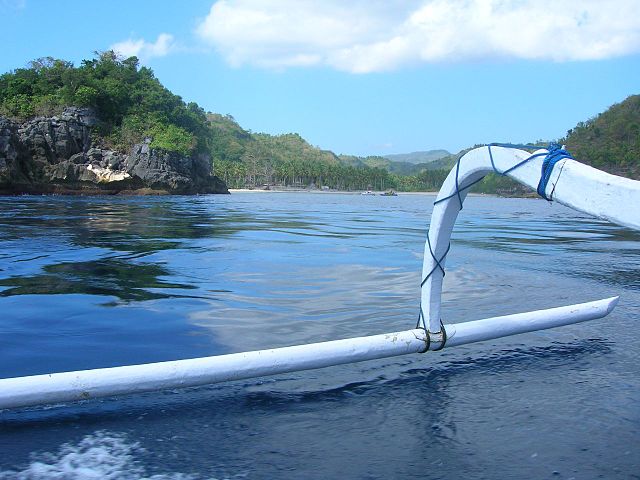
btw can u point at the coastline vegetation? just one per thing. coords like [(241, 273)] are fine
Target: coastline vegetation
[(611, 140), (130, 101), (132, 105)]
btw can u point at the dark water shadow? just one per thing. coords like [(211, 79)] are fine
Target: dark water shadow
[(119, 278), (133, 225)]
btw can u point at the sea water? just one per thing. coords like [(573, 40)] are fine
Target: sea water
[(89, 282)]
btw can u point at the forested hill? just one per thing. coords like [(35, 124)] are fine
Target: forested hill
[(133, 107), (129, 100), (611, 140), (247, 159), (418, 157)]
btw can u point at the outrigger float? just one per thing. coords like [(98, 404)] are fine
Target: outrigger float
[(563, 180)]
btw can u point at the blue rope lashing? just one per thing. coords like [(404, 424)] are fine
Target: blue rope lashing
[(438, 262), (437, 266), (422, 321), (424, 327), (444, 338), (556, 153)]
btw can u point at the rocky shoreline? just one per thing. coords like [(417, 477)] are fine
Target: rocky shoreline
[(58, 155)]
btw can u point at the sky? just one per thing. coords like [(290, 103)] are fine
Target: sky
[(360, 77)]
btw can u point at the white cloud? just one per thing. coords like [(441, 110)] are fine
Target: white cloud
[(163, 45), (377, 35)]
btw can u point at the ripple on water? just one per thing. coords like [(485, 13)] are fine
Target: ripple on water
[(101, 281)]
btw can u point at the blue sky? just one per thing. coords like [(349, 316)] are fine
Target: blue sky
[(361, 77)]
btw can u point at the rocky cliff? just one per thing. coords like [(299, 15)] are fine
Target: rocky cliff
[(58, 155)]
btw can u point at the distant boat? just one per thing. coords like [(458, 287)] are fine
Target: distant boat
[(389, 193), (368, 192)]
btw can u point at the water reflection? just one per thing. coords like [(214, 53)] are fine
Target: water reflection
[(122, 279), (318, 302), (119, 224)]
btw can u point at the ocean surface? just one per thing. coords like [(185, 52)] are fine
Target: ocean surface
[(104, 281)]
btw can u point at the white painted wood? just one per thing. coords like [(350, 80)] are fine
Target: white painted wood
[(87, 384), (504, 326), (572, 184), (70, 386)]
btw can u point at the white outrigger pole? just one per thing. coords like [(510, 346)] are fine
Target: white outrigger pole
[(571, 183)]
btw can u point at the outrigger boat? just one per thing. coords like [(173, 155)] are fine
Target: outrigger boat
[(563, 180)]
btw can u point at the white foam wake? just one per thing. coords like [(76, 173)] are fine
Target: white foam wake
[(102, 455)]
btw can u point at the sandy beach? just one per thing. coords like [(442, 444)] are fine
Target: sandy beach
[(316, 191), (341, 192)]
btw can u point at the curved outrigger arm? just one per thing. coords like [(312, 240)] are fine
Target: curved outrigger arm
[(571, 183)]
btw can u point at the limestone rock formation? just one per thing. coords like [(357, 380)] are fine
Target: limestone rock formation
[(58, 155)]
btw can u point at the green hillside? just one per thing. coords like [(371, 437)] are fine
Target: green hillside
[(446, 162), (130, 101), (418, 157), (611, 140), (375, 161), (244, 159)]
